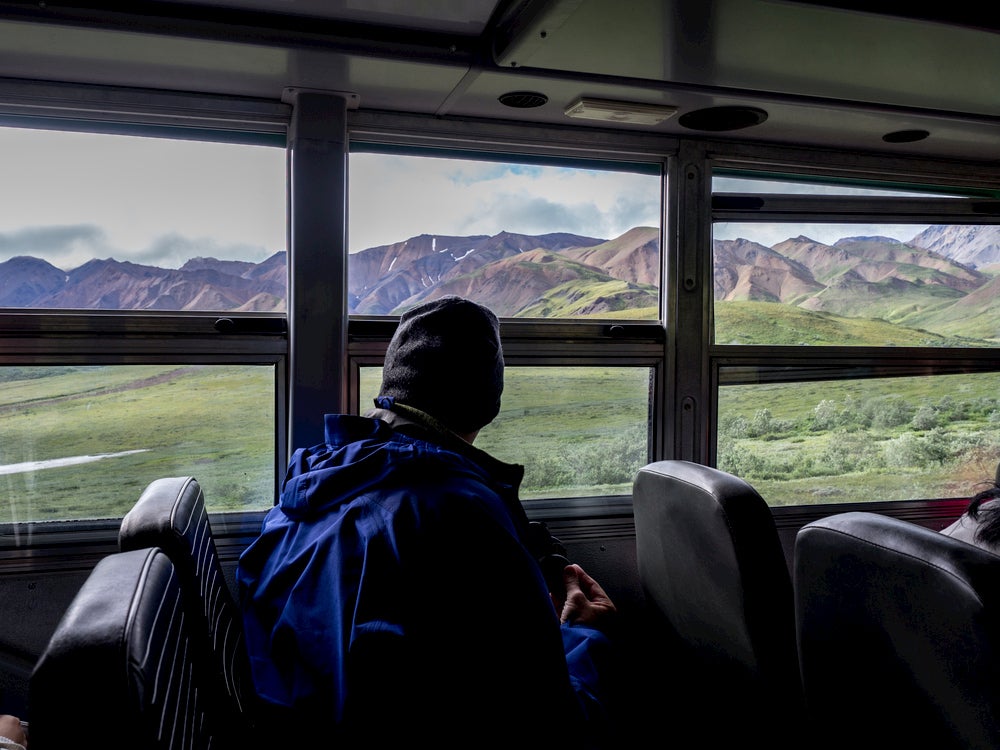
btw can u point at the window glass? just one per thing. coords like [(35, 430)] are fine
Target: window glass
[(861, 440), (778, 186), (578, 431), (844, 284), (122, 222), (83, 442), (526, 240)]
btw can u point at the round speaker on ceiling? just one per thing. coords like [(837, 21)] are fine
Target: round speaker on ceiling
[(718, 119)]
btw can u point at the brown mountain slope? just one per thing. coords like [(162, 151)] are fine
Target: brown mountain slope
[(746, 270), (509, 285), (634, 256), (384, 278)]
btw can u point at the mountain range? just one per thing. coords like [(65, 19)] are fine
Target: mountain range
[(200, 284), (942, 280)]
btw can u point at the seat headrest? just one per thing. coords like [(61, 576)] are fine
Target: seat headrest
[(894, 617), (709, 556), (122, 649)]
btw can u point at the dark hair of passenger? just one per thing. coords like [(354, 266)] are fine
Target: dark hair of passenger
[(988, 530)]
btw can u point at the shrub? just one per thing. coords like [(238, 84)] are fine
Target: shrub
[(890, 412), (825, 415), (850, 452), (926, 418)]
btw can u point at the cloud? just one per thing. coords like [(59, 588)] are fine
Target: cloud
[(133, 193), (526, 214), (70, 246), (635, 211), (65, 246), (173, 250), (394, 197)]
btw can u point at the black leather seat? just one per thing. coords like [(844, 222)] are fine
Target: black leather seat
[(171, 514), (714, 573), (899, 635), (119, 672)]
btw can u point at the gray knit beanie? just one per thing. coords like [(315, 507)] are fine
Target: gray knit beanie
[(445, 359)]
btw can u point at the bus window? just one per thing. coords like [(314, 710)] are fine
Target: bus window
[(117, 254), (552, 249), (853, 328), (82, 442), (527, 240), (840, 284), (578, 431), (863, 439), (121, 222)]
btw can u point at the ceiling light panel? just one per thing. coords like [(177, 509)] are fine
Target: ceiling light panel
[(635, 113)]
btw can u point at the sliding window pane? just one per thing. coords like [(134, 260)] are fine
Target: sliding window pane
[(840, 284), (116, 222), (578, 431), (83, 442), (526, 240)]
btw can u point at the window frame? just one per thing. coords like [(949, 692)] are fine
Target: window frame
[(549, 342), (972, 204), (33, 337)]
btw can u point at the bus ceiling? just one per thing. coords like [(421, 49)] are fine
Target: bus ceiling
[(844, 75)]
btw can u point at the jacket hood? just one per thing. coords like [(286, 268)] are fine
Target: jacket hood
[(360, 453)]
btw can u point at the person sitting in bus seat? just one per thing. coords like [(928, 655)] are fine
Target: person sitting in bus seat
[(980, 523), (12, 735), (396, 588)]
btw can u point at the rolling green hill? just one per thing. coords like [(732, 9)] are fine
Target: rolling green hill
[(775, 324)]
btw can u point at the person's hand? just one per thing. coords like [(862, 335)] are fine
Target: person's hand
[(10, 727), (586, 602)]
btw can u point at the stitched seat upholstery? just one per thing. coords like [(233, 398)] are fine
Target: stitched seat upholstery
[(119, 671), (171, 514)]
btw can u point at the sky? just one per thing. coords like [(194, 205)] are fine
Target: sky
[(70, 197), (771, 234), (393, 198)]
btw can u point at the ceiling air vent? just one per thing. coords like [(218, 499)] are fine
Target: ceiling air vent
[(523, 99)]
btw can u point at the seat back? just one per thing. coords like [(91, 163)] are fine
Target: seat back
[(899, 634), (119, 672), (714, 573), (171, 514)]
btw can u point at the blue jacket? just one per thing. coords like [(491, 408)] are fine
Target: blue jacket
[(391, 590)]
